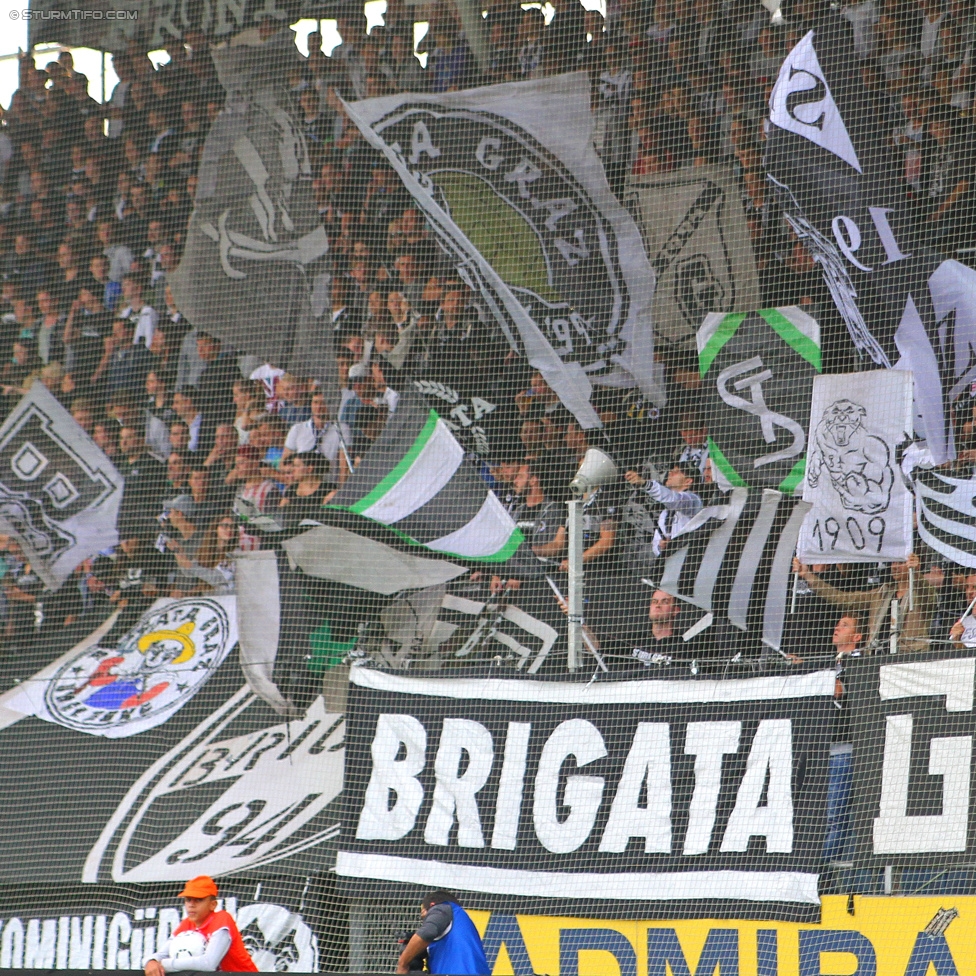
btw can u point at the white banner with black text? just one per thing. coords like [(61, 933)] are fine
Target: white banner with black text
[(914, 803)]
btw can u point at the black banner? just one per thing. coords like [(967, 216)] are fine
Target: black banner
[(914, 798), (120, 927), (663, 798), (220, 785)]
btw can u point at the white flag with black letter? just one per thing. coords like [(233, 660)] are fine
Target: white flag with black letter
[(862, 510)]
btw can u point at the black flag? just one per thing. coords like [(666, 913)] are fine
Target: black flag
[(837, 185), (255, 244), (757, 372)]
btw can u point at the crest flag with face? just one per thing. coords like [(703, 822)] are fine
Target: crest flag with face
[(156, 668), (509, 181)]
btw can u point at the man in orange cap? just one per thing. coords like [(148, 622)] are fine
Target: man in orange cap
[(225, 950)]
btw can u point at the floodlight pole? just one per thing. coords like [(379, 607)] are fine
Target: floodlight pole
[(574, 595)]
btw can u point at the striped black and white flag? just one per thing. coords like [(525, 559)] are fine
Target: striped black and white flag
[(734, 560), (946, 509), (416, 481)]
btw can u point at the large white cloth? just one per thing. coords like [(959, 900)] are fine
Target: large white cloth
[(862, 510)]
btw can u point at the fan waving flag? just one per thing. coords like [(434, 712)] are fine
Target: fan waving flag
[(509, 181), (837, 184), (416, 481)]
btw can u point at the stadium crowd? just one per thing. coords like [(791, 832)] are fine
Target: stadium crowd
[(93, 213)]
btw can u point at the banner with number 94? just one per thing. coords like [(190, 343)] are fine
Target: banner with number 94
[(862, 510)]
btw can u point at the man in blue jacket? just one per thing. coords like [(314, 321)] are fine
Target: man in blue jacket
[(448, 935)]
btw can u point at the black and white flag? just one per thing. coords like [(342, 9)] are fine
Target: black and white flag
[(861, 508), (698, 241), (661, 797), (59, 494), (757, 374), (946, 510), (733, 560), (836, 181), (511, 184), (255, 241), (417, 481)]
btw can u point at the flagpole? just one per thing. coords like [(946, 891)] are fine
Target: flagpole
[(586, 637), (342, 445), (574, 526)]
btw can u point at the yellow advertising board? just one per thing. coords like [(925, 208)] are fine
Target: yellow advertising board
[(877, 937)]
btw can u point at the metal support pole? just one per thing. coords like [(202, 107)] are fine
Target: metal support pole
[(104, 93), (574, 528)]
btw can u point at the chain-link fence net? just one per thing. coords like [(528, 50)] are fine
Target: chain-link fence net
[(500, 454)]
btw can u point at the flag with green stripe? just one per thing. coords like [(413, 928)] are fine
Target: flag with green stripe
[(416, 481), (757, 372)]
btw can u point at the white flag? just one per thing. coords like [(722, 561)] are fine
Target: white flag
[(508, 179), (59, 493), (862, 510)]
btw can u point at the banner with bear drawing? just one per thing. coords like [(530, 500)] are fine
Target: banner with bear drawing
[(862, 509)]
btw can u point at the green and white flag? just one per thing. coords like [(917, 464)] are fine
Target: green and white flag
[(757, 372), (416, 481)]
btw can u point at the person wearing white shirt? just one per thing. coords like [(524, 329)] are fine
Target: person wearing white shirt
[(185, 407), (680, 503), (318, 433), (142, 315)]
